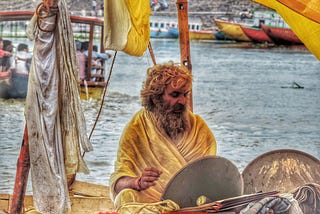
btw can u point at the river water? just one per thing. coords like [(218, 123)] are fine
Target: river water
[(243, 92)]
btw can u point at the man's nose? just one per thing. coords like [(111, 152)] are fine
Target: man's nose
[(182, 100)]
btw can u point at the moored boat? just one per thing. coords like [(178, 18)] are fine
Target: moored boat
[(281, 34), (220, 35), (85, 198), (5, 83), (256, 34), (94, 203), (163, 27), (196, 31), (90, 89), (202, 35), (232, 29), (167, 27)]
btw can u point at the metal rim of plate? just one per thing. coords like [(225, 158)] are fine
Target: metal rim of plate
[(282, 170), (212, 177)]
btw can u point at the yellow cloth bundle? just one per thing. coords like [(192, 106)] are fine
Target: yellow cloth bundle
[(303, 18), (126, 26)]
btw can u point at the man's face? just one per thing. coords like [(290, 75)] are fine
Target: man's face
[(176, 98), (171, 112)]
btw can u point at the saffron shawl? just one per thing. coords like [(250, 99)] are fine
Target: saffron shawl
[(126, 26), (143, 145), (56, 124)]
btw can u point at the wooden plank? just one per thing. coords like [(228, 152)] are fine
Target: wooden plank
[(79, 204), (4, 202), (88, 189), (91, 204)]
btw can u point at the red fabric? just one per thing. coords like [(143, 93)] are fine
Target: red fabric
[(1, 53)]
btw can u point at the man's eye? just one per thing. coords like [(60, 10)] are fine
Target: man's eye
[(174, 94)]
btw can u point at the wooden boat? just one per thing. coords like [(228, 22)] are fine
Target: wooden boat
[(202, 35), (5, 84), (256, 34), (163, 27), (281, 35), (13, 84), (85, 197), (197, 33), (167, 27), (89, 89), (233, 30), (220, 35)]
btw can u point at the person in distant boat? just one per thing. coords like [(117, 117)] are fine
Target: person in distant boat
[(3, 53), (160, 139), (81, 60), (97, 61), (23, 58), (6, 61)]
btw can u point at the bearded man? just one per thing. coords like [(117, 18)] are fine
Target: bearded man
[(160, 139)]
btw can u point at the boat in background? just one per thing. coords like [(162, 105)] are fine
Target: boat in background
[(256, 34), (167, 27), (5, 83), (281, 35), (17, 87), (163, 27), (13, 84), (197, 33), (233, 30), (220, 35)]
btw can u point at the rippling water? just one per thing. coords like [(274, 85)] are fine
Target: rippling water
[(243, 92)]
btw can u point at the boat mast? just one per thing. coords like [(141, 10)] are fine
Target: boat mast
[(182, 8), (22, 172)]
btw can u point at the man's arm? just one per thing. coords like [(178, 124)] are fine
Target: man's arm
[(148, 178)]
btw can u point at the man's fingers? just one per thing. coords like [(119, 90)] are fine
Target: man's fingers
[(152, 171)]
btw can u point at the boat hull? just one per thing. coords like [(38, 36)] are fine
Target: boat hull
[(220, 35), (13, 84), (85, 198), (280, 35), (233, 30), (171, 33), (89, 92), (5, 84), (256, 34), (201, 35)]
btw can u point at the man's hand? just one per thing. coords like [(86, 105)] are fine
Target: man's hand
[(149, 177)]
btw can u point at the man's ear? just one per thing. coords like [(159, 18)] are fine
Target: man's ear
[(156, 99)]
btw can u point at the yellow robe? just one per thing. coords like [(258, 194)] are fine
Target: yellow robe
[(143, 145), (303, 18)]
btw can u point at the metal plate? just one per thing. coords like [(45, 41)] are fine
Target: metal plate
[(214, 177), (281, 170)]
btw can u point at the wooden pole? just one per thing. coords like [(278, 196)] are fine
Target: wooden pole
[(23, 167), (90, 49), (183, 23)]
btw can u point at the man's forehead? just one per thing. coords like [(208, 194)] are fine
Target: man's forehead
[(181, 88)]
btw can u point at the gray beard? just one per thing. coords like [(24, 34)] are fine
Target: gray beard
[(174, 124)]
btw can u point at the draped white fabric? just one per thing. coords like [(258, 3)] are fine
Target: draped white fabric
[(56, 125)]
